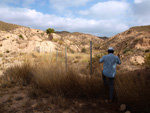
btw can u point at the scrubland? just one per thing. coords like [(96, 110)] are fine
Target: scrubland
[(45, 76)]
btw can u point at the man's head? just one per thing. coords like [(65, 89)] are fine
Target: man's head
[(110, 50)]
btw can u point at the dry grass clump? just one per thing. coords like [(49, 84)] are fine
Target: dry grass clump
[(133, 88), (147, 60), (52, 78), (19, 74), (7, 26), (55, 80)]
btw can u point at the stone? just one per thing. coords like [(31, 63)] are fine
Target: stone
[(127, 112), (122, 107), (55, 36), (137, 60)]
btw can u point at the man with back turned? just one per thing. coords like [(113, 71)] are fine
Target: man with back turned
[(110, 62)]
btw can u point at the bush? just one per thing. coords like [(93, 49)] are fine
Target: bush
[(55, 39), (21, 37), (133, 88), (83, 50), (50, 30), (147, 50), (7, 51), (60, 42), (51, 78), (127, 50), (147, 60), (19, 74)]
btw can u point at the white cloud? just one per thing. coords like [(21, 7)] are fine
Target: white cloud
[(34, 19), (61, 5), (109, 9), (141, 12), (138, 1)]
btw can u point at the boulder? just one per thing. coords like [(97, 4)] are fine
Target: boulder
[(122, 107), (55, 36), (137, 60), (37, 46)]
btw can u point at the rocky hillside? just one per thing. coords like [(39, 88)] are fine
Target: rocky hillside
[(16, 40), (131, 44), (26, 40), (134, 38), (78, 41)]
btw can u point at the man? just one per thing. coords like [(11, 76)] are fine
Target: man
[(109, 70)]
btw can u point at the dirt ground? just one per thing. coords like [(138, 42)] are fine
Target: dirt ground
[(19, 99)]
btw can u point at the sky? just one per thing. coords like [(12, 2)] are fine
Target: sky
[(97, 17)]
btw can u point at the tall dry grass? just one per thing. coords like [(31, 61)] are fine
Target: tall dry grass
[(48, 77), (133, 88), (53, 78)]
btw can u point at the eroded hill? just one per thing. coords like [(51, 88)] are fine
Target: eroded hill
[(131, 44)]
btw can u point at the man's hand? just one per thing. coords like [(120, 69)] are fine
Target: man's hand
[(118, 55)]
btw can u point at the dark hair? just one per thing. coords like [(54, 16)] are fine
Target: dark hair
[(110, 51)]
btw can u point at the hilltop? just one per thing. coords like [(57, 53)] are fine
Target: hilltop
[(7, 26)]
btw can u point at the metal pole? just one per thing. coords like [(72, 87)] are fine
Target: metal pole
[(90, 57), (66, 58)]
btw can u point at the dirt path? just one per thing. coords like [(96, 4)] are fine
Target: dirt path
[(18, 100)]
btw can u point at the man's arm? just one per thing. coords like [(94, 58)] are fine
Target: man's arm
[(101, 60), (119, 61)]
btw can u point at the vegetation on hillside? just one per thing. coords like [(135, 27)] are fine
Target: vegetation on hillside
[(6, 26), (147, 60), (141, 28), (49, 31)]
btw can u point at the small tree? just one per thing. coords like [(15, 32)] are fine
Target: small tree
[(49, 31)]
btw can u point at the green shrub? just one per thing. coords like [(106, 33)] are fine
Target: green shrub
[(55, 39), (21, 37), (60, 42), (50, 30), (147, 60), (129, 53), (83, 50), (7, 51), (147, 50), (72, 51), (127, 50)]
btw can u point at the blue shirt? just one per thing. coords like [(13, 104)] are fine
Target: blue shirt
[(110, 64)]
